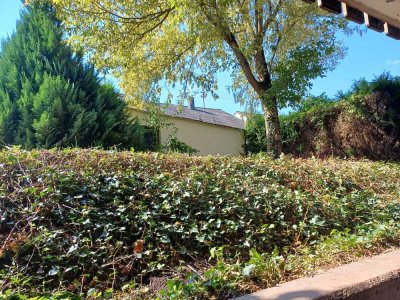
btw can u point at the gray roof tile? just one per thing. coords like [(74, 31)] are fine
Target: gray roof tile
[(206, 115)]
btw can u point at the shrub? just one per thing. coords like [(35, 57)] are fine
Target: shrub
[(78, 220), (174, 145), (255, 140), (324, 127)]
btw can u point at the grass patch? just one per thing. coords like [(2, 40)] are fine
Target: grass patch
[(106, 224)]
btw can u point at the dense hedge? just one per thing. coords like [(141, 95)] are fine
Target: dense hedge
[(84, 219), (362, 123)]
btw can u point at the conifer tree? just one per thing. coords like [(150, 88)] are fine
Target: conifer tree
[(49, 97)]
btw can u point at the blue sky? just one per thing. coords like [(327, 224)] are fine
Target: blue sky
[(368, 55)]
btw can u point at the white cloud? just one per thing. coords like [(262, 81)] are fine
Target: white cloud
[(393, 62)]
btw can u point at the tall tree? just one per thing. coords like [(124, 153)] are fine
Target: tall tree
[(49, 97), (272, 48)]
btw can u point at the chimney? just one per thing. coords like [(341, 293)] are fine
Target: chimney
[(191, 103)]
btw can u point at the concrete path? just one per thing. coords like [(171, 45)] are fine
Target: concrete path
[(375, 278)]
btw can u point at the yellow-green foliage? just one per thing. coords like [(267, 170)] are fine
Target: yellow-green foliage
[(271, 49), (173, 41), (87, 221)]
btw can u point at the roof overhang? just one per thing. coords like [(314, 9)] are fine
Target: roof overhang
[(379, 15)]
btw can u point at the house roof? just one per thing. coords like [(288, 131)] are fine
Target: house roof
[(205, 115)]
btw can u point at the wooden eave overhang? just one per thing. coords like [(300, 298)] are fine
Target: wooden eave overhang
[(379, 15)]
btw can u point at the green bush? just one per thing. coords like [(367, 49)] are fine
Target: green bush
[(78, 220), (255, 140), (290, 124), (378, 100), (312, 110), (174, 145)]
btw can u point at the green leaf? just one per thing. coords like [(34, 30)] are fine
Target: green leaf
[(247, 270)]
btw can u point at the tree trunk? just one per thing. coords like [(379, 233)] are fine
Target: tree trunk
[(261, 85), (272, 126)]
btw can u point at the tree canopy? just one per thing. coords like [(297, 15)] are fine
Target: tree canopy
[(271, 48), (49, 97)]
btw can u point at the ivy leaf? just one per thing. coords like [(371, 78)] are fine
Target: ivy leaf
[(72, 249), (53, 271), (247, 270), (201, 238)]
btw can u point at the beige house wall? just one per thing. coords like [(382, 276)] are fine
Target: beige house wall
[(209, 139)]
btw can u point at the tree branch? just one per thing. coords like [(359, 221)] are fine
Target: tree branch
[(148, 17), (230, 39), (280, 33), (260, 60)]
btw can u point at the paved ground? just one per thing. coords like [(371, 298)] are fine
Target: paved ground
[(369, 279)]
